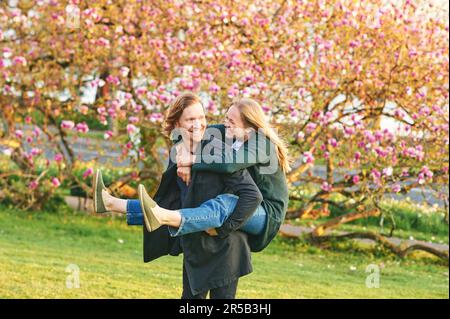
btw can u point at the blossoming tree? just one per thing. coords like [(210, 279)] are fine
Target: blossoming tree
[(328, 73)]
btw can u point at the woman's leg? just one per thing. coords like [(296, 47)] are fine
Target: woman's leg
[(132, 209), (213, 213), (256, 224), (136, 217), (114, 204)]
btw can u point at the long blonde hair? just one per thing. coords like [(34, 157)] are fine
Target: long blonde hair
[(253, 115)]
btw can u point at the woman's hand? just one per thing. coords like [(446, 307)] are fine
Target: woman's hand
[(184, 156), (184, 172), (212, 232), (184, 163)]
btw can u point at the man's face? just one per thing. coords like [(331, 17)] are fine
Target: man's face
[(192, 123), (235, 126)]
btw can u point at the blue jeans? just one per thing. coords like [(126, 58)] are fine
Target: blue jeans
[(210, 214)]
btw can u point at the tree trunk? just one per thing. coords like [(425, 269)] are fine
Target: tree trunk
[(397, 249), (335, 222)]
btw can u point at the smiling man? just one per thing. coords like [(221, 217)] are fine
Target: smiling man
[(210, 263)]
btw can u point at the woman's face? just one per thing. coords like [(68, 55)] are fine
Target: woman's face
[(192, 123), (235, 126)]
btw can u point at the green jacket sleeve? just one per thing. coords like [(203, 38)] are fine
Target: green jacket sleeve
[(257, 150)]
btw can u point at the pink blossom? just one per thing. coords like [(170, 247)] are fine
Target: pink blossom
[(378, 136), (33, 185), (112, 112), (355, 179), (107, 135), (370, 137), (354, 44), (310, 127), (426, 172), (405, 172), (317, 115), (115, 104), (68, 125), (357, 156), (113, 80), (28, 119), (326, 187), (399, 113), (124, 71), (212, 107), (133, 119), (214, 88), (387, 171), (102, 42), (141, 91), (131, 129), (376, 175), (19, 133), (421, 178), (380, 152), (332, 142), (396, 188), (156, 117), (55, 182), (59, 157), (349, 130), (412, 53), (437, 109), (35, 151), (7, 52), (19, 60), (424, 111), (266, 108), (137, 108), (88, 172), (308, 158), (233, 92), (82, 127)]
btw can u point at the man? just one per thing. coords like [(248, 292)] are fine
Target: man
[(210, 263)]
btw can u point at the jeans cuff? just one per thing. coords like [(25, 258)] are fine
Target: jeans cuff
[(173, 231), (133, 215), (128, 213)]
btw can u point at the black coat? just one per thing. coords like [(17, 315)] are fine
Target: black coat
[(210, 262)]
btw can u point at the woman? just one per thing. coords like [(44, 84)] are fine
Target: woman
[(246, 123)]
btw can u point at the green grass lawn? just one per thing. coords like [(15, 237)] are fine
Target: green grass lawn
[(36, 248)]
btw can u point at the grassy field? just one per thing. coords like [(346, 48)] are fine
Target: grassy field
[(35, 250)]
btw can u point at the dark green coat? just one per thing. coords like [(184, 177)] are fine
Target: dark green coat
[(273, 186)]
